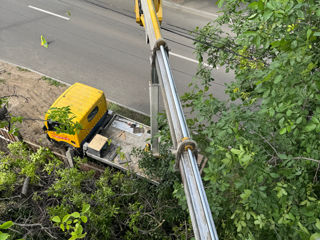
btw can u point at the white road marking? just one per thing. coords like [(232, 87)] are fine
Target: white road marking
[(51, 13), (189, 59)]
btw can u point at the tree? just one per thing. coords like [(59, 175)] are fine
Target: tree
[(263, 144)]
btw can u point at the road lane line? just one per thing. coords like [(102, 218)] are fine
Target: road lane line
[(51, 13), (189, 59)]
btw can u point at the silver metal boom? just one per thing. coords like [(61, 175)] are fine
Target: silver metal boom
[(185, 148)]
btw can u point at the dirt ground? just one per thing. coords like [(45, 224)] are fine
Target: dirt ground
[(31, 95)]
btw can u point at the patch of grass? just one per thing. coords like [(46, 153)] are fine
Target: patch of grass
[(9, 73), (129, 113), (23, 69), (2, 80), (52, 82)]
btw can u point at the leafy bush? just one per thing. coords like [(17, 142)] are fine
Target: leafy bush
[(262, 175), (117, 205)]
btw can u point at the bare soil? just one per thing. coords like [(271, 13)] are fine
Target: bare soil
[(30, 96)]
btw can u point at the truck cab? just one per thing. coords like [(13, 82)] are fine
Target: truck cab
[(89, 108)]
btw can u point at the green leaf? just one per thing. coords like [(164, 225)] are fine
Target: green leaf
[(85, 208), (75, 215), (250, 33), (316, 34), (315, 120), (84, 219), (253, 16), (283, 131), (253, 5), (294, 44), (4, 236), (299, 120), (78, 229), (56, 219), (278, 79), (310, 127), (274, 175), (318, 224), (6, 225), (82, 235), (315, 236), (270, 6), (282, 156), (271, 112), (300, 14), (62, 227), (65, 218), (220, 3), (267, 15), (236, 151)]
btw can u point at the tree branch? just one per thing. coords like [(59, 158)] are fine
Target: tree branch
[(306, 158)]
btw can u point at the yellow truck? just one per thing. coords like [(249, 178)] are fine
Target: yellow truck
[(105, 136)]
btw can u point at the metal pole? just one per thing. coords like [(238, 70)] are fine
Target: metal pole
[(200, 213), (154, 110), (177, 103)]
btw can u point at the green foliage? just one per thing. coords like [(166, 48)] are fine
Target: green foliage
[(65, 119), (262, 175), (22, 69), (122, 205), (20, 163), (72, 222), (15, 166), (4, 226), (119, 205), (52, 82)]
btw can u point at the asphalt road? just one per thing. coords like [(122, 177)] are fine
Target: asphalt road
[(98, 44)]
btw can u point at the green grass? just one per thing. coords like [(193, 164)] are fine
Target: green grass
[(2, 80), (52, 82), (129, 113), (23, 69)]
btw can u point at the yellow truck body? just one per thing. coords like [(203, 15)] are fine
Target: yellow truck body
[(89, 107)]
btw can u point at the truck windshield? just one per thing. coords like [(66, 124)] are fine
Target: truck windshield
[(52, 125)]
